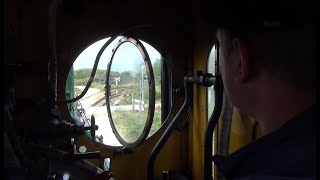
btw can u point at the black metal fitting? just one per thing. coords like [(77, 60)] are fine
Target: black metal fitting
[(87, 155), (208, 80), (204, 79)]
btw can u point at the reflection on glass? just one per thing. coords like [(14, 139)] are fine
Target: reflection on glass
[(129, 93)]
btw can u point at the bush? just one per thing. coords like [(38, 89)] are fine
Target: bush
[(131, 124)]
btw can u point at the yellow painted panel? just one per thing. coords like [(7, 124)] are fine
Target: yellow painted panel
[(241, 130), (201, 54)]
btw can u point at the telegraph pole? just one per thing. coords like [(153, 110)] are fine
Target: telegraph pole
[(141, 105), (117, 79)]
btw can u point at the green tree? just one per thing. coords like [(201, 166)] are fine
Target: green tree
[(82, 73), (101, 74), (126, 76), (114, 74), (157, 68)]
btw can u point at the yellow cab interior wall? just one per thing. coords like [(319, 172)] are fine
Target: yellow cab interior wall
[(134, 166), (203, 45), (241, 130)]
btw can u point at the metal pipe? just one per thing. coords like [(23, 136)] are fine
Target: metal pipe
[(210, 128), (52, 65), (188, 83), (226, 120)]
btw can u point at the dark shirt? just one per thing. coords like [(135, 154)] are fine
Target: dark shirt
[(287, 152)]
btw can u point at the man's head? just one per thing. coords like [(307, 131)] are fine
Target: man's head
[(286, 54), (266, 56)]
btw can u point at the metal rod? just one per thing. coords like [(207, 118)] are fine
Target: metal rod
[(210, 128), (52, 65), (170, 128), (226, 120)]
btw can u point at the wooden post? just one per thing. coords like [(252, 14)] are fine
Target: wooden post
[(132, 102)]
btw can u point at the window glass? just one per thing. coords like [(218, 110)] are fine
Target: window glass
[(211, 66)]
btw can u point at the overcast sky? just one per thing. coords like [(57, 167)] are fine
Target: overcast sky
[(125, 58)]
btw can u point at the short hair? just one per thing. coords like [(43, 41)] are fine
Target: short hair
[(280, 35), (288, 54)]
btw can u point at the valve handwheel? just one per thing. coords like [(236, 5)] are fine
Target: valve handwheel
[(93, 127)]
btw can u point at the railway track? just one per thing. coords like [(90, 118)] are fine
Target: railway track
[(113, 94)]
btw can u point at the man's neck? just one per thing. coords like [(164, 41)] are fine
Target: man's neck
[(276, 104)]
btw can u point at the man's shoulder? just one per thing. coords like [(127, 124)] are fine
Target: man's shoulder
[(291, 151)]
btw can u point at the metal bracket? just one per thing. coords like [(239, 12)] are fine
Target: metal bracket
[(204, 79)]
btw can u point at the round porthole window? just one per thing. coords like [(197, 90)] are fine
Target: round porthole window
[(130, 94)]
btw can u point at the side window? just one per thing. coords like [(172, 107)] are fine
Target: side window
[(126, 94), (211, 68)]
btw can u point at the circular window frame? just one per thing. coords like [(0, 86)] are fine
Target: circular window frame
[(151, 109)]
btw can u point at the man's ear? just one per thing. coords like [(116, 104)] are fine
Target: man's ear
[(244, 61)]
